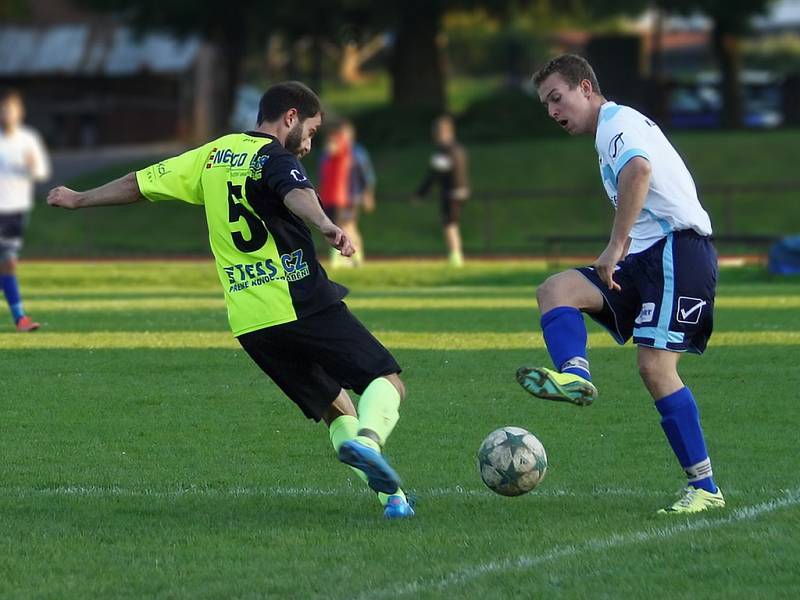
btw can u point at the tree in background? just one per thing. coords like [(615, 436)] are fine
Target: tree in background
[(730, 21), (239, 27), (415, 27)]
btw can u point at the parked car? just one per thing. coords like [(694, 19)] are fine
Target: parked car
[(697, 104)]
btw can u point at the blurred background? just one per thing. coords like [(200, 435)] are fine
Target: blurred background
[(113, 86)]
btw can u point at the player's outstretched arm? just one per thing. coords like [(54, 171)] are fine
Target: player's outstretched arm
[(303, 202), (124, 190)]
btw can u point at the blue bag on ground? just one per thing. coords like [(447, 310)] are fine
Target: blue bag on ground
[(784, 256)]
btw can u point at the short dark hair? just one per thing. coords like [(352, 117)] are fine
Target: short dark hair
[(285, 95), (10, 94), (572, 68)]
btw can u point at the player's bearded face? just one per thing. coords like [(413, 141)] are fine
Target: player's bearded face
[(294, 140), (298, 140)]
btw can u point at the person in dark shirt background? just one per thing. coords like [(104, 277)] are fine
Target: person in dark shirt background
[(449, 170)]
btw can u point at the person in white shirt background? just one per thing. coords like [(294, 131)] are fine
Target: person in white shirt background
[(23, 161)]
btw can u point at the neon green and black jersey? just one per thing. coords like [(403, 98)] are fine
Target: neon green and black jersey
[(264, 253)]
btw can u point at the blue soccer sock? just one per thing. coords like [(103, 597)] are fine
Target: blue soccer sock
[(680, 421), (11, 291), (565, 337)]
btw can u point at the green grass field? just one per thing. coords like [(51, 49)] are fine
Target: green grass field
[(145, 456)]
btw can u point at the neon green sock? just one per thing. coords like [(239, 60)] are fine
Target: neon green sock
[(384, 498), (456, 259), (342, 429), (345, 428), (378, 409)]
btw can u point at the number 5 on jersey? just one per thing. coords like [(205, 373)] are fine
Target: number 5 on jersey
[(237, 211)]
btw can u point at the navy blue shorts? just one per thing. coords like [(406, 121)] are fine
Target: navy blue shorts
[(667, 295), (12, 230)]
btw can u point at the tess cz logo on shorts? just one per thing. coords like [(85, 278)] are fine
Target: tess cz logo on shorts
[(689, 310)]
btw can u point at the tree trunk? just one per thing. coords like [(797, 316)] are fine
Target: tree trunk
[(659, 93), (234, 58), (417, 63), (204, 95), (316, 74), (726, 49)]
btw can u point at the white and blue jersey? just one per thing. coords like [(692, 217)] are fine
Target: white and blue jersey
[(671, 204), (668, 279)]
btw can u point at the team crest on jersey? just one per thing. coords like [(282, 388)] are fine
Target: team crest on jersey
[(616, 145), (257, 166)]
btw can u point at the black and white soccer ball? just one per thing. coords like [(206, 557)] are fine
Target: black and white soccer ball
[(512, 461)]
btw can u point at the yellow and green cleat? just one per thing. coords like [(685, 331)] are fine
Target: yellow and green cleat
[(695, 500), (552, 385)]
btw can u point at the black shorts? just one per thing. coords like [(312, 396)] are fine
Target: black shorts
[(313, 358), (451, 211), (12, 229)]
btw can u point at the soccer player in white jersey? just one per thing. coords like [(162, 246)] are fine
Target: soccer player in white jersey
[(23, 160), (654, 281)]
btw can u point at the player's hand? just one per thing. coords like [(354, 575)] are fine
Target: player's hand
[(338, 239), (64, 197), (606, 263), (30, 162)]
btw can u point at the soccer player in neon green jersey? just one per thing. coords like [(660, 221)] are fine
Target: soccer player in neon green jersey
[(286, 313)]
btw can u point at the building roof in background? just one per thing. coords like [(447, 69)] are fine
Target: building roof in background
[(87, 50), (782, 15)]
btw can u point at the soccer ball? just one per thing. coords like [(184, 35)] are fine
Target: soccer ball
[(512, 461)]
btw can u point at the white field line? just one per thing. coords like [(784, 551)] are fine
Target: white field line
[(522, 562), (92, 491)]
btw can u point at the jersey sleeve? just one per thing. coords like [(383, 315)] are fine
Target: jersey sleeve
[(620, 140), (283, 173), (177, 178)]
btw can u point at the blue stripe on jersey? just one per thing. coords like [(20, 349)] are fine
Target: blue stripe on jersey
[(627, 156), (609, 178), (665, 226), (609, 113)]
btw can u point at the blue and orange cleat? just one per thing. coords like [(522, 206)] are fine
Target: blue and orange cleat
[(398, 507), (381, 477), (25, 324)]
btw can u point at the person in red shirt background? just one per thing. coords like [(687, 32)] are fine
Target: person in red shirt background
[(334, 178)]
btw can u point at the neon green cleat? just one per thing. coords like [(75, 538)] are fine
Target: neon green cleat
[(695, 500), (552, 385)]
